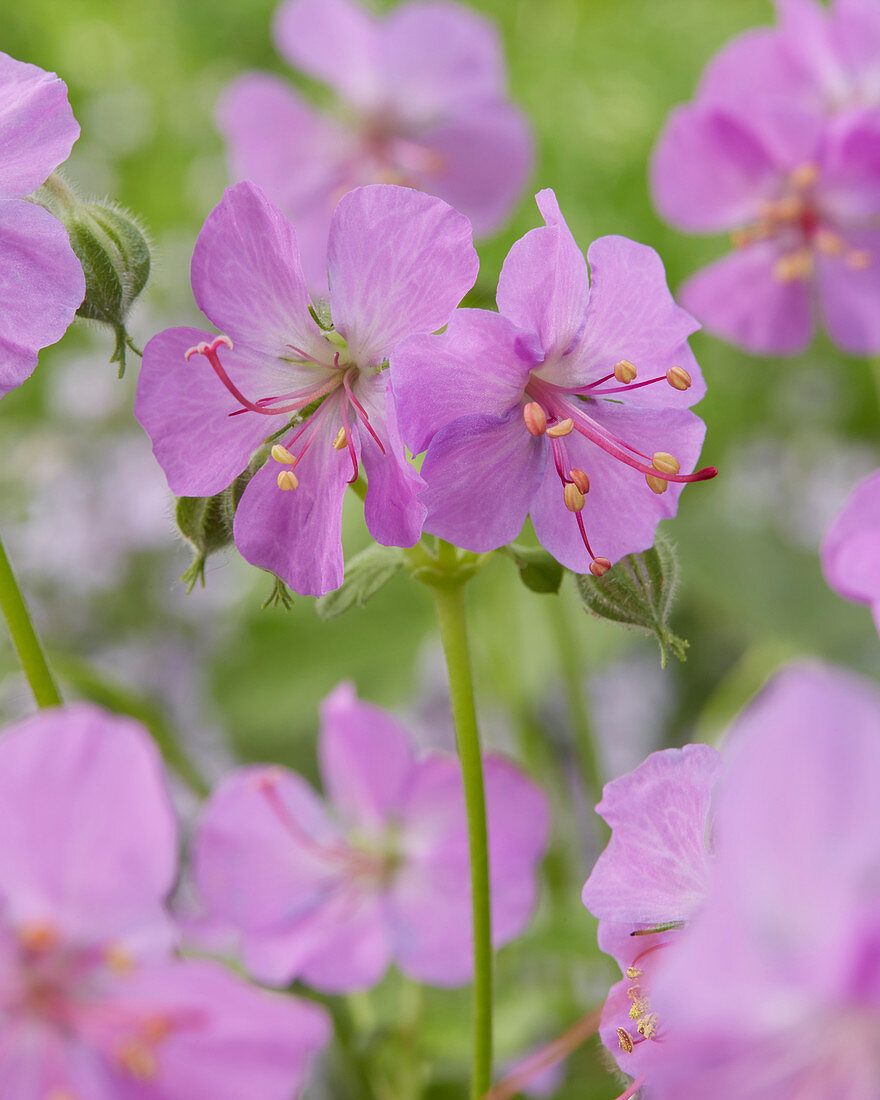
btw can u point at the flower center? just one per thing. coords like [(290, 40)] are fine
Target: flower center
[(332, 389), (802, 229), (558, 411)]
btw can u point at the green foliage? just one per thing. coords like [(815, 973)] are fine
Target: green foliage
[(538, 570), (638, 592), (365, 574)]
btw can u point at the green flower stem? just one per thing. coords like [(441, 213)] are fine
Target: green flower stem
[(450, 603), (24, 637), (586, 742)]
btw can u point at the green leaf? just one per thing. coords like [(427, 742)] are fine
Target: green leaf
[(538, 570), (638, 592), (365, 574)]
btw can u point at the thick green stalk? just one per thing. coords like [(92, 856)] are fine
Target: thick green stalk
[(450, 604), (24, 637)]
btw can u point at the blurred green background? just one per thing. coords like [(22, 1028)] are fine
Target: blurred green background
[(94, 541)]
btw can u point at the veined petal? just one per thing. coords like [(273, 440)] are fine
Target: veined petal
[(187, 412), (855, 28), (399, 263), (41, 287), (631, 315), (621, 511), (298, 535), (393, 509), (739, 299), (336, 41), (710, 171), (655, 868), (480, 364), (848, 295), (544, 285), (439, 58), (482, 473), (848, 189), (88, 838), (37, 127), (482, 159), (248, 279), (366, 760)]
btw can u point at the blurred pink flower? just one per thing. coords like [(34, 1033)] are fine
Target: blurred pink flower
[(768, 989), (333, 895), (92, 1002), (781, 149), (423, 89), (851, 548), (41, 281)]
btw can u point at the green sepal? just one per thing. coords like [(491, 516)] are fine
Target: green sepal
[(365, 574), (538, 570), (279, 596), (638, 592)]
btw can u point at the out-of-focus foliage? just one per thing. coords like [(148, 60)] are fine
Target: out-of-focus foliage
[(85, 513)]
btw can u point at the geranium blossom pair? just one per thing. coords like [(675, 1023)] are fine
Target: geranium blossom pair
[(781, 149), (41, 281), (740, 895), (527, 410), (423, 99), (332, 892), (94, 1005)]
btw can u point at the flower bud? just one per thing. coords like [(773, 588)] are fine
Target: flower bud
[(114, 253), (115, 257)]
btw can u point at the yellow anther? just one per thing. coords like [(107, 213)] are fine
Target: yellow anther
[(600, 566), (625, 1039), (633, 992), (832, 244), (137, 1060), (804, 176), (535, 418), (640, 1006), (665, 462), (282, 455), (656, 484), (287, 480), (564, 427), (648, 1025), (859, 259), (341, 440), (574, 498), (38, 937), (580, 479), (624, 371), (793, 266), (633, 972), (118, 959), (678, 378)]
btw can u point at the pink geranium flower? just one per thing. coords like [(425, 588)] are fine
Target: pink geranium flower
[(399, 262), (654, 873), (781, 149), (758, 886), (534, 410), (423, 92), (41, 281), (93, 1004), (851, 548), (333, 892)]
